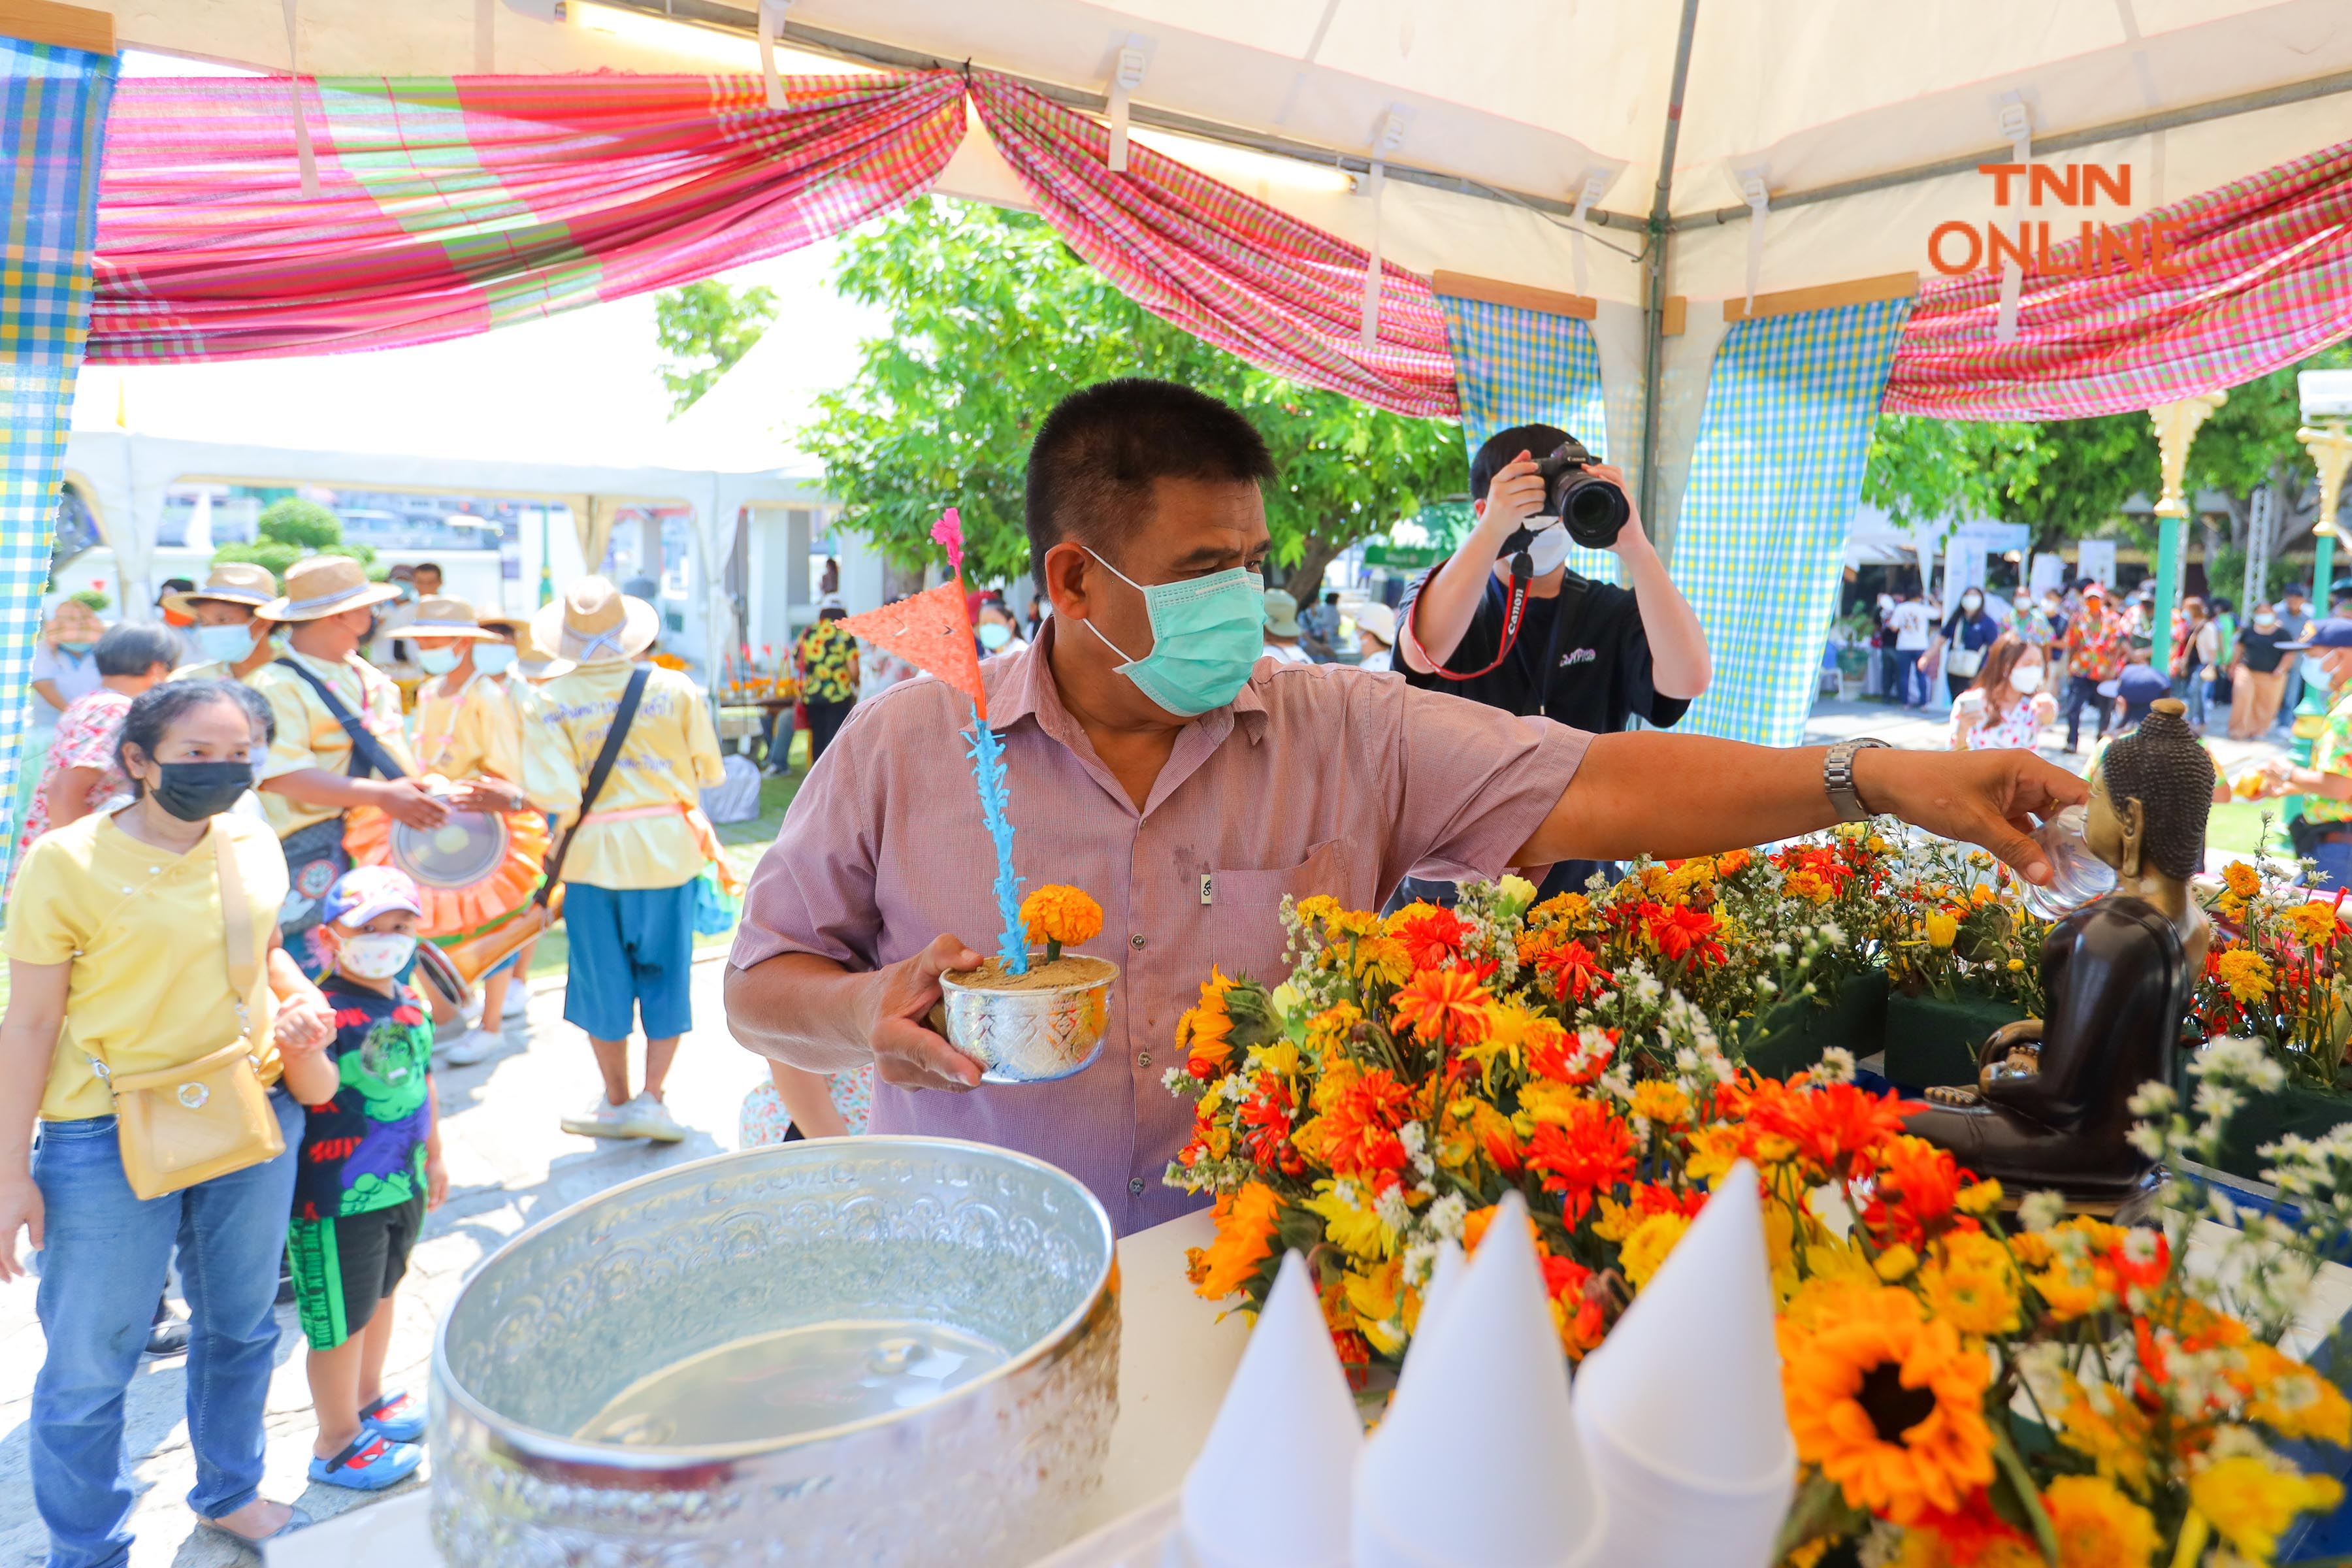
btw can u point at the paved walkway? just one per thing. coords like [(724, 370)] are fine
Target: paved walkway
[(510, 1166)]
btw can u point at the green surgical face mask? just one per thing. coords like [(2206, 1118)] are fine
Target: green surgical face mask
[(1206, 633)]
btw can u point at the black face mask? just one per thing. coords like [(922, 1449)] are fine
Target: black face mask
[(194, 791)]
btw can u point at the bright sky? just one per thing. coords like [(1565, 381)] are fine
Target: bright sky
[(584, 386)]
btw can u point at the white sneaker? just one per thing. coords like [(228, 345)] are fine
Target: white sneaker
[(645, 1117), (466, 1049), (518, 1003), (603, 1119)]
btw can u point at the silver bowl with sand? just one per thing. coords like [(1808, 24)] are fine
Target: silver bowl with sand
[(868, 1351), (1033, 1028)]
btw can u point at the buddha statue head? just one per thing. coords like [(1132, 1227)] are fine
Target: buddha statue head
[(2150, 795)]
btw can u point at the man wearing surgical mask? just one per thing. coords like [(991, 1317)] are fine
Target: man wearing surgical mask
[(1591, 655), (1154, 759), (227, 640), (2322, 830)]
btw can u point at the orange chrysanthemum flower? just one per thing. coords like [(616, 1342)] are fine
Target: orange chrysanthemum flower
[(1445, 1007), (1244, 1222), (1589, 1151), (1432, 936), (1890, 1404)]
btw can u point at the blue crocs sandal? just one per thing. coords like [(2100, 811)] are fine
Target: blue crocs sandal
[(395, 1416), (370, 1464)]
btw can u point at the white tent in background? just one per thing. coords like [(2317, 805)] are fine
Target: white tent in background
[(1802, 153)]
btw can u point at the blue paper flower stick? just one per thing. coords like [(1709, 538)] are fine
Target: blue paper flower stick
[(988, 772)]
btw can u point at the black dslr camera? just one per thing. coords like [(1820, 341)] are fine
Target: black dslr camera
[(1591, 508)]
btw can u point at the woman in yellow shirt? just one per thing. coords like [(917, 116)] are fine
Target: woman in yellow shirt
[(116, 955)]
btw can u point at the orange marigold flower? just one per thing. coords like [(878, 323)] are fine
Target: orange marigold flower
[(1445, 1007), (1890, 1404), (1245, 1221), (1061, 916)]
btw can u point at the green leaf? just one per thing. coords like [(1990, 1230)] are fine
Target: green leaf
[(2017, 1500), (1820, 1510)]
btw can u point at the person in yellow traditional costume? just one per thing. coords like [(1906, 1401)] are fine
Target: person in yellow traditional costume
[(631, 874), (229, 640), (482, 869), (340, 743)]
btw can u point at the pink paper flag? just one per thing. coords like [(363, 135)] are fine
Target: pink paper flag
[(929, 631)]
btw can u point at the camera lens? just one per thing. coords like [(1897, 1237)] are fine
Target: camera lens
[(1591, 509)]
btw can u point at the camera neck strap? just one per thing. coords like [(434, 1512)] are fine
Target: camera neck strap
[(1515, 610)]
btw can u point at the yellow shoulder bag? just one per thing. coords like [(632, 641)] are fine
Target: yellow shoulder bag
[(182, 1125)]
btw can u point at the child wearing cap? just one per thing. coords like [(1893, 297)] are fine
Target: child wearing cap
[(370, 1168)]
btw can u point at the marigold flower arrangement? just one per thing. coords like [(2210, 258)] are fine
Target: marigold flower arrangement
[(1963, 1388)]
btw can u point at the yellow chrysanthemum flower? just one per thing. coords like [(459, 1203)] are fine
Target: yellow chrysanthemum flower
[(2241, 878), (1898, 1263), (1661, 1102), (1970, 1283), (2250, 1503), (2246, 974), (2293, 1401), (1351, 1221), (1647, 1246), (2097, 1526)]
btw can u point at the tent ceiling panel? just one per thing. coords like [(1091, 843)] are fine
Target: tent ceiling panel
[(1517, 96)]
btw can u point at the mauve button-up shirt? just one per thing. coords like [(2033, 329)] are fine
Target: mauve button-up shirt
[(1317, 779)]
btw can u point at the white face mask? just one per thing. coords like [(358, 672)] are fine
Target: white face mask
[(1971, 602), (377, 955), (2315, 672), (2265, 623), (1548, 551), (2025, 679)]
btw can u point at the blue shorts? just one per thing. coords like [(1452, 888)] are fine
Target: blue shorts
[(632, 954)]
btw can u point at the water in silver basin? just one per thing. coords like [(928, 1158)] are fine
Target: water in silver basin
[(860, 1354), (793, 1381)]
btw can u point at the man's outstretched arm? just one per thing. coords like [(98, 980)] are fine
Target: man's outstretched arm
[(1651, 793), (811, 1013)]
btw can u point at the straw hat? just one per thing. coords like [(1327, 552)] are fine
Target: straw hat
[(442, 616), (230, 582), (318, 586), (593, 623)]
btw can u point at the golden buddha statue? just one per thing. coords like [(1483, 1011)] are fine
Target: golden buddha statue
[(2049, 1106)]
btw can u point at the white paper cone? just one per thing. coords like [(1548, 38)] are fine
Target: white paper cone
[(1479, 1464), (1680, 1409), (1270, 1489), (1445, 1278)]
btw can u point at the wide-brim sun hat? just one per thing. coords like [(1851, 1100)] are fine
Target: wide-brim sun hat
[(243, 582), (442, 616), (1378, 620), (318, 586), (593, 623), (1281, 614)]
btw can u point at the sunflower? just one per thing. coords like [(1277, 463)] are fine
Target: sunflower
[(1890, 1404)]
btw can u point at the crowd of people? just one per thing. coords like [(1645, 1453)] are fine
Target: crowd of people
[(234, 861), (2016, 663)]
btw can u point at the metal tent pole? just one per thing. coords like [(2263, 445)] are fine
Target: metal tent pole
[(1653, 315)]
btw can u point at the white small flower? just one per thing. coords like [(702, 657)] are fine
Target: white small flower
[(1392, 1209), (1446, 1214), (1781, 950), (1413, 1136), (1836, 1066), (2139, 1247), (2148, 1139), (2152, 1098), (1832, 933), (2039, 1211)]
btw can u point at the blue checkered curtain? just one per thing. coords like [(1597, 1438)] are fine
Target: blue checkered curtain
[(56, 102), (1517, 366), (1774, 480)]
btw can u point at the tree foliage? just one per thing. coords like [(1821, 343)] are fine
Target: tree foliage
[(992, 321), (290, 528), (2064, 479), (705, 328)]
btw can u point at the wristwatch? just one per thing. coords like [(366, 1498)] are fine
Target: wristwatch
[(1837, 777)]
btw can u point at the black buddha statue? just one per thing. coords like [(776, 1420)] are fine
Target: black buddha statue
[(2049, 1110)]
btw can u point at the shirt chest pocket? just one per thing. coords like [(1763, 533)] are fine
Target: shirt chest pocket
[(1244, 913)]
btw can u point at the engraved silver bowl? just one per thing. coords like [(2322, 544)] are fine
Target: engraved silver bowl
[(1030, 1037), (833, 1238)]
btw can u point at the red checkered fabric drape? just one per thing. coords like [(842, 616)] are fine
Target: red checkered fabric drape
[(1223, 266), (2258, 274), (449, 206)]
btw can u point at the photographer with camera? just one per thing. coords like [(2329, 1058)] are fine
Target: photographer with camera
[(1505, 623)]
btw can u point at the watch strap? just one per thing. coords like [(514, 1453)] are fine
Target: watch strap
[(1837, 778)]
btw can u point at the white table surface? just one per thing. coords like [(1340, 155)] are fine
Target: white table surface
[(1175, 1358)]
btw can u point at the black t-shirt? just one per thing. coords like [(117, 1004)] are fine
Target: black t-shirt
[(365, 1149), (1598, 657), (2261, 650)]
